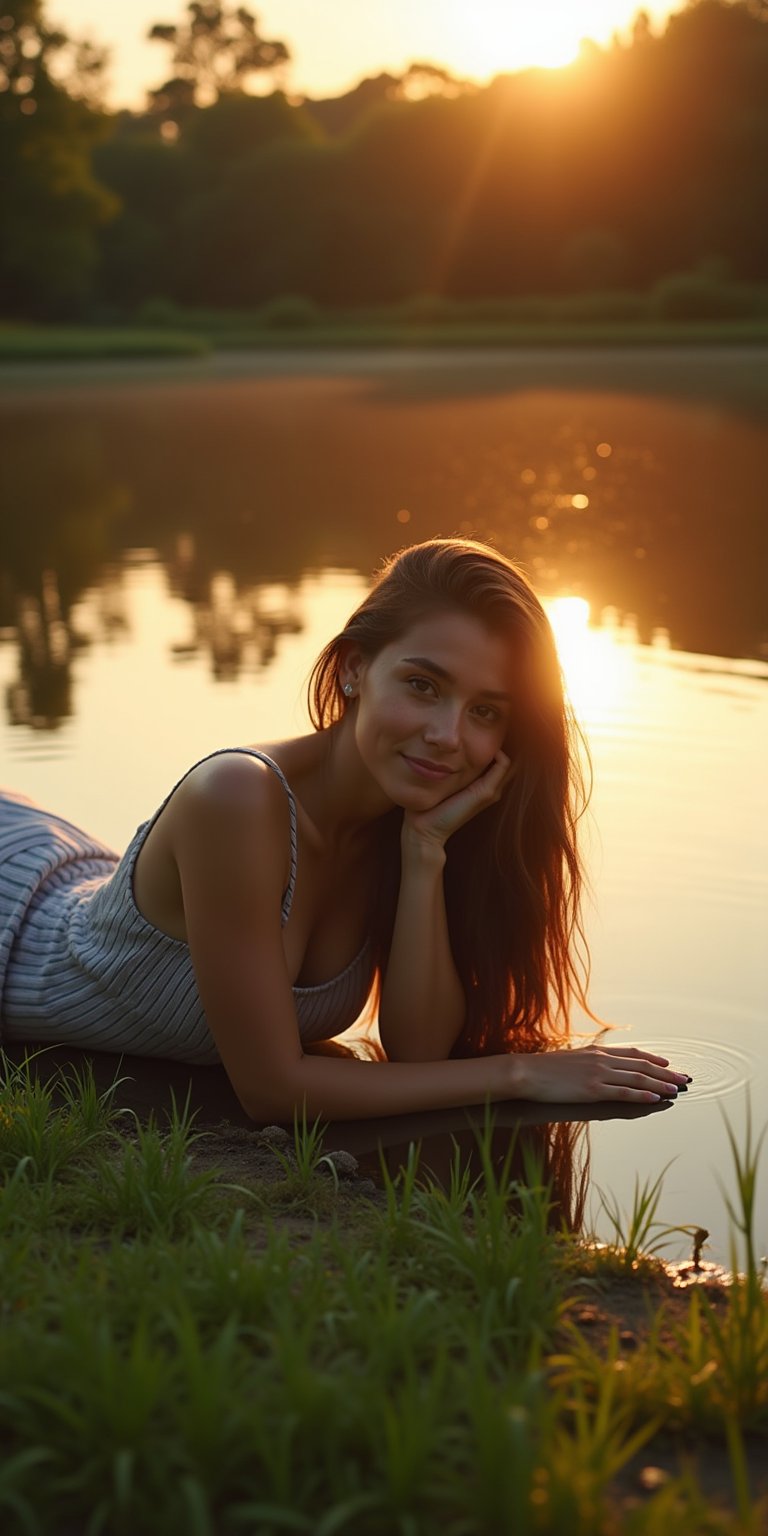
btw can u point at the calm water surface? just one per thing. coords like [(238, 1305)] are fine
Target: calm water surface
[(178, 543)]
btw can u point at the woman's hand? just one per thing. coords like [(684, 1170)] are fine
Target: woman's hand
[(594, 1073), (445, 818)]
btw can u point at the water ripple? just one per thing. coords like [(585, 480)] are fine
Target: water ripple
[(716, 1069)]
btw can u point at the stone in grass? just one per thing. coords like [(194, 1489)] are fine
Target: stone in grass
[(274, 1136), (345, 1164), (367, 1188)]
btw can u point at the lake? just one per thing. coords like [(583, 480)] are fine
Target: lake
[(179, 540)]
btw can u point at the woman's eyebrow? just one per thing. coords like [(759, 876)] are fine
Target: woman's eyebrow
[(433, 666)]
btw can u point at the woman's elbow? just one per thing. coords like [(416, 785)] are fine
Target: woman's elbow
[(270, 1105)]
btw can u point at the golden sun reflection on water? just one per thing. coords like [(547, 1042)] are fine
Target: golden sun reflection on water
[(597, 663)]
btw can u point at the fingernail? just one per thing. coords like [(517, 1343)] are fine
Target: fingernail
[(690, 1079)]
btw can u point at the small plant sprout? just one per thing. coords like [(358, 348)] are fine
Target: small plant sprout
[(307, 1145), (640, 1235), (742, 1214)]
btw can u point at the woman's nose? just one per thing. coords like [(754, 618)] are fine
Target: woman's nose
[(443, 728)]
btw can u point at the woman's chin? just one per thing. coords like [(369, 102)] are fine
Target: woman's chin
[(421, 797)]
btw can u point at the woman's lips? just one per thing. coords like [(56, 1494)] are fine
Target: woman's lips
[(426, 770)]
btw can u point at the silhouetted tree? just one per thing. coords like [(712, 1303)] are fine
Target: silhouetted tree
[(51, 204), (217, 49)]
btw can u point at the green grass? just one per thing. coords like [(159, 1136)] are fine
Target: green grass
[(50, 343), (182, 1352), (498, 334), (26, 344), (693, 309)]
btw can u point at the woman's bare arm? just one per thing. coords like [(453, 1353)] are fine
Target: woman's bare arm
[(422, 1005), (360, 1090)]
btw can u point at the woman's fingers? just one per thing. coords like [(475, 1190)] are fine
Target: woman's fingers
[(495, 777), (657, 1076), (626, 1095), (644, 1083), (671, 1073), (633, 1050), (593, 1075)]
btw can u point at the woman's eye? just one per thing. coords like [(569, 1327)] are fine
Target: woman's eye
[(487, 713), (420, 684)]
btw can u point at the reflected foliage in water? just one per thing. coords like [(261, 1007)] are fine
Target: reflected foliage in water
[(610, 483), (236, 628)]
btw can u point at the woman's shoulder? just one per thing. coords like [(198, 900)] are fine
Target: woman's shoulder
[(231, 820), (231, 783), (249, 792)]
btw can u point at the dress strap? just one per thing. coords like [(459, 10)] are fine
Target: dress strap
[(253, 752), (142, 830)]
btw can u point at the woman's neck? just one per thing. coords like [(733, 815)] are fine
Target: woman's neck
[(334, 787)]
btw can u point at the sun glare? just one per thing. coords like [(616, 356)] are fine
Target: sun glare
[(511, 41), (496, 36), (596, 664)]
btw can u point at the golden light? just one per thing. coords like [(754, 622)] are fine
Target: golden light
[(596, 664), (503, 37), (494, 36)]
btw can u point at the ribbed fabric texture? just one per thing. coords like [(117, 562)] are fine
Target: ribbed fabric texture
[(80, 965)]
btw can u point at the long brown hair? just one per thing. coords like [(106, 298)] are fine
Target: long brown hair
[(513, 874)]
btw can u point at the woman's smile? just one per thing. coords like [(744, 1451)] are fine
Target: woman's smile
[(426, 769)]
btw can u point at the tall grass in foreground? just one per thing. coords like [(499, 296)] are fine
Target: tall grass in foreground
[(182, 1354)]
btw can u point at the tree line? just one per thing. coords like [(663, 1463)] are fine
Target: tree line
[(647, 157)]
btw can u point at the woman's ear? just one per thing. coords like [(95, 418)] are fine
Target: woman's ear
[(351, 668)]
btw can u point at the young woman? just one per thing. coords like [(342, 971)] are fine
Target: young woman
[(419, 846)]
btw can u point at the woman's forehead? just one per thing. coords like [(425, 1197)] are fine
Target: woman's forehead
[(460, 643)]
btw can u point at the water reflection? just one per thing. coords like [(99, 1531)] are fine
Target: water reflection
[(237, 626), (41, 696), (520, 1156), (646, 505), (48, 636)]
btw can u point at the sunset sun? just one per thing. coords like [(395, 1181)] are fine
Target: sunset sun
[(510, 41), (506, 35)]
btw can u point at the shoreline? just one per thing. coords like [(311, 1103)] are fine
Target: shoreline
[(221, 364)]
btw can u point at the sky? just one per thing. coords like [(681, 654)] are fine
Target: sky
[(334, 46)]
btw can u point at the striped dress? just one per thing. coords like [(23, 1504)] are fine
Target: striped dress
[(79, 965)]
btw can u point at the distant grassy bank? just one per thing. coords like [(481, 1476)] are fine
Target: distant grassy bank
[(680, 311), (50, 343)]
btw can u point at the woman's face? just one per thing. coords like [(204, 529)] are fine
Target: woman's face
[(433, 708)]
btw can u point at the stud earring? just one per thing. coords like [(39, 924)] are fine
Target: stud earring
[(348, 690)]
